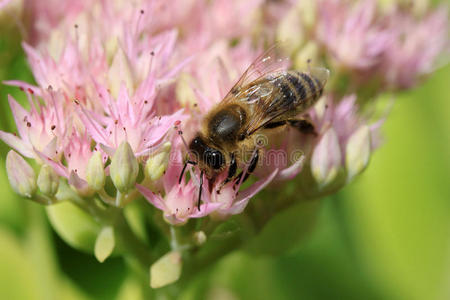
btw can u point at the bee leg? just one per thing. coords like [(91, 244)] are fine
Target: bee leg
[(303, 125), (275, 124), (184, 169), (231, 170), (200, 190), (250, 169)]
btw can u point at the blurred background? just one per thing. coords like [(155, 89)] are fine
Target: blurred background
[(385, 236)]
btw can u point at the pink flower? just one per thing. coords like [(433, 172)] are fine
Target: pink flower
[(76, 155), (230, 200), (345, 142), (394, 48), (414, 47), (128, 119), (352, 33), (45, 128), (180, 201), (90, 91), (179, 204), (46, 15)]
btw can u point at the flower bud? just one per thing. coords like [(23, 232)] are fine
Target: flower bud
[(95, 172), (199, 238), (104, 244), (326, 158), (166, 270), (357, 152), (157, 164), (48, 181), (124, 168), (20, 174)]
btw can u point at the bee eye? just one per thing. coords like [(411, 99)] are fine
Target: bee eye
[(214, 159)]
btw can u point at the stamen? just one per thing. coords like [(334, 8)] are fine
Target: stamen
[(180, 133), (77, 37), (141, 13)]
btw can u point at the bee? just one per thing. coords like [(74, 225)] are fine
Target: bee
[(265, 97)]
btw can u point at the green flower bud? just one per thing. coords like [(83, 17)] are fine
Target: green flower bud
[(104, 244), (357, 152), (48, 181), (166, 270), (124, 168), (95, 172), (20, 174), (157, 164), (199, 238)]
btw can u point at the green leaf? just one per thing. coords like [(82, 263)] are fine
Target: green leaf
[(73, 225)]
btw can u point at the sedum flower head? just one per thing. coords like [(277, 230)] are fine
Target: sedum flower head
[(393, 47), (120, 85)]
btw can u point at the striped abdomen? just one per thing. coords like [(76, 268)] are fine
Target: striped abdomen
[(298, 90)]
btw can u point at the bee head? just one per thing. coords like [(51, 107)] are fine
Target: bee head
[(213, 158)]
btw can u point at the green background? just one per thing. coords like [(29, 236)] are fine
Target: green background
[(385, 236)]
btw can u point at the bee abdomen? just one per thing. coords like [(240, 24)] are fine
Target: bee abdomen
[(308, 88), (298, 91)]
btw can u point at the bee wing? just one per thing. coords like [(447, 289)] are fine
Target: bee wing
[(265, 63), (271, 107)]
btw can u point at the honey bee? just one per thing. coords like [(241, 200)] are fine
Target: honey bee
[(265, 97)]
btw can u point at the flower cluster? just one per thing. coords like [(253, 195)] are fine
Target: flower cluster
[(394, 48), (120, 85)]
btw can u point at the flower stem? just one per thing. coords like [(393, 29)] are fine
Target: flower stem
[(137, 253)]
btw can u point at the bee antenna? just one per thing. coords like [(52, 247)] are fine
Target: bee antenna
[(189, 161)]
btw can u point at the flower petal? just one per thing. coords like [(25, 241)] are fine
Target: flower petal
[(57, 166), (77, 182), (244, 197), (205, 209), (153, 198), (291, 171), (16, 143)]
